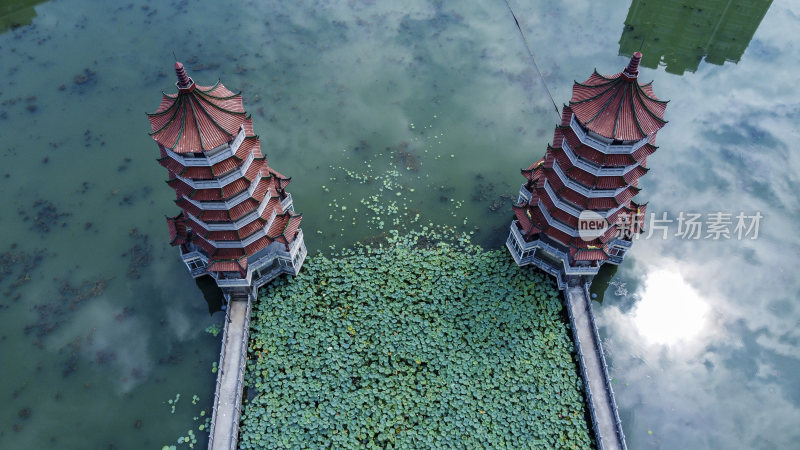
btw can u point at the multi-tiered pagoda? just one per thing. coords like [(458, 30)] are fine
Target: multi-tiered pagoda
[(576, 212), (237, 222)]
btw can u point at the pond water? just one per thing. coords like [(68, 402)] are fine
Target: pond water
[(427, 111)]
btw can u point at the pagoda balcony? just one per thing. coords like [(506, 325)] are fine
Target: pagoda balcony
[(562, 205), (236, 224), (583, 190), (287, 204), (231, 282), (296, 243), (224, 205), (555, 223), (227, 204), (277, 250), (266, 277), (211, 157), (219, 183), (241, 243), (568, 229), (524, 253), (527, 249), (569, 207), (524, 195), (190, 251), (581, 270), (260, 281), (616, 260), (287, 262), (592, 167), (601, 144), (622, 243), (195, 261), (250, 239)]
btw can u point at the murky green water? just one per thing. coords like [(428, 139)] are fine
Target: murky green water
[(100, 325)]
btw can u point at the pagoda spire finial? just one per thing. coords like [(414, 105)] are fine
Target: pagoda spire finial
[(632, 71), (184, 81)]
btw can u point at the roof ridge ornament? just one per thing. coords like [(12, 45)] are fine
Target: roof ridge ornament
[(632, 71), (185, 82)]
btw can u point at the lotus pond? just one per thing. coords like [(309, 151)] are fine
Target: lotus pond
[(415, 342)]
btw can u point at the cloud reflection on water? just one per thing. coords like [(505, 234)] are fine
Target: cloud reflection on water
[(670, 310)]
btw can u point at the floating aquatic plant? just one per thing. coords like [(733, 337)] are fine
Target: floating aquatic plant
[(214, 329), (425, 341), (173, 402), (190, 439)]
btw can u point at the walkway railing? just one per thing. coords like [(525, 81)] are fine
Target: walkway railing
[(618, 438), (586, 387), (229, 443), (598, 348)]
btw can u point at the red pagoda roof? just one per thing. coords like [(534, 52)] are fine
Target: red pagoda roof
[(236, 265), (285, 227), (196, 118), (587, 254), (177, 229), (618, 107)]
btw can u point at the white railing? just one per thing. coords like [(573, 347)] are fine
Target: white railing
[(564, 206), (250, 239), (226, 204), (211, 157), (533, 259), (598, 348), (582, 363), (555, 223), (239, 198), (524, 195), (622, 243), (242, 243), (605, 147), (219, 183), (555, 252), (242, 363), (592, 167), (586, 192), (236, 224), (286, 204), (231, 282), (571, 209), (193, 255), (581, 270), (538, 243), (273, 251), (214, 157)]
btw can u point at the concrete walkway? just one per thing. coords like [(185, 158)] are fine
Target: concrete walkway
[(224, 432), (600, 396)]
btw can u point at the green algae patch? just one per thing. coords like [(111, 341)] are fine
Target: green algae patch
[(419, 343)]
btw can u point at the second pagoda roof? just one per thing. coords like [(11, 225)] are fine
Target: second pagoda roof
[(196, 118), (617, 106)]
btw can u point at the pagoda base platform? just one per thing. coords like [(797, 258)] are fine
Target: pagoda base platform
[(273, 262), (546, 257)]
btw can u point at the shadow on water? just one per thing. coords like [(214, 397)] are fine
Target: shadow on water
[(17, 13), (211, 293), (601, 281), (680, 33)]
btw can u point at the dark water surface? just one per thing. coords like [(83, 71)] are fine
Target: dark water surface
[(389, 116)]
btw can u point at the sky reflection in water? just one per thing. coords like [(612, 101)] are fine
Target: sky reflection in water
[(670, 311)]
